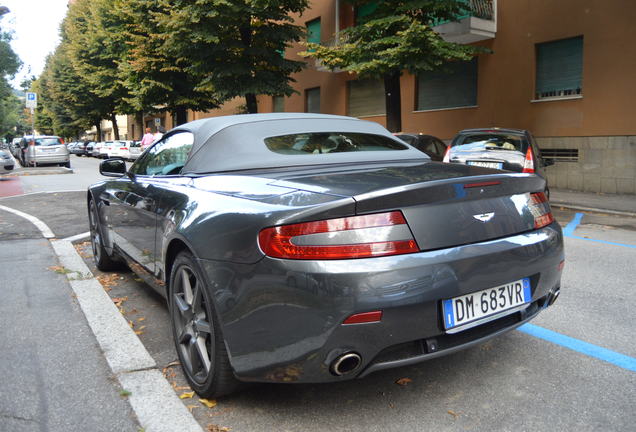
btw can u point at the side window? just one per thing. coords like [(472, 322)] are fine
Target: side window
[(166, 157)]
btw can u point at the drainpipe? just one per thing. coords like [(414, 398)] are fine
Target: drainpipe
[(337, 22)]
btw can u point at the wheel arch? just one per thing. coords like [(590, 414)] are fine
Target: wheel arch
[(175, 246)]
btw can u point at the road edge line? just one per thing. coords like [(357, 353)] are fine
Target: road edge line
[(44, 228)]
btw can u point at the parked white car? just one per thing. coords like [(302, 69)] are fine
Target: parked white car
[(97, 148), (105, 150), (134, 151), (119, 149)]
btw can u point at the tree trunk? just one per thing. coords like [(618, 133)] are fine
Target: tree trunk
[(139, 122), (113, 119), (98, 135), (250, 101), (393, 102), (180, 116)]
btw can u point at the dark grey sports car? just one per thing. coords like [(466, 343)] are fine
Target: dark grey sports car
[(315, 248)]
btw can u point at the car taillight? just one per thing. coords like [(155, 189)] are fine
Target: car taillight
[(365, 236), (447, 155), (528, 163), (540, 209)]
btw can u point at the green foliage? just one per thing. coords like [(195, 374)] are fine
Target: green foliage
[(232, 48), (395, 36), (158, 79)]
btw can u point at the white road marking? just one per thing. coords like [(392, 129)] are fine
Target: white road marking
[(44, 229)]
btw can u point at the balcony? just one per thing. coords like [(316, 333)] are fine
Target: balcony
[(477, 22)]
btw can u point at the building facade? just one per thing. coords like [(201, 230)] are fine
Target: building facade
[(565, 70)]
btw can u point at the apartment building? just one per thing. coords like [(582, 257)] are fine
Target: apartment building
[(565, 70)]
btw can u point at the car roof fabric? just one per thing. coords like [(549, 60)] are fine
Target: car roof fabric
[(233, 143)]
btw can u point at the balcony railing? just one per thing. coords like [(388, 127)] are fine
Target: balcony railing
[(474, 8)]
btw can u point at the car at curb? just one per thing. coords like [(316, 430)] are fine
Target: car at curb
[(311, 248), (44, 150), (499, 148), (6, 161), (428, 144)]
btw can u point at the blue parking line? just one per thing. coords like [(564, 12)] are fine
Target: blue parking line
[(568, 231), (617, 359)]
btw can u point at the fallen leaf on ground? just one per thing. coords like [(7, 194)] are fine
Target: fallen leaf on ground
[(453, 413), (173, 363), (217, 428), (119, 300), (191, 407), (404, 381), (139, 332), (142, 319), (176, 387), (210, 403), (186, 395)]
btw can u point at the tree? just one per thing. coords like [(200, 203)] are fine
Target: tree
[(94, 46), (394, 36), (158, 78), (9, 104), (234, 49)]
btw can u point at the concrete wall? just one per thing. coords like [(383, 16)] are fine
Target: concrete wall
[(605, 165)]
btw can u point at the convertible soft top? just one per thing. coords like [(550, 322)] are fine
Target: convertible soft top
[(233, 143)]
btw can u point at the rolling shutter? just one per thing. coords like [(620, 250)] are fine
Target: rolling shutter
[(454, 86), (365, 98), (312, 100), (560, 68)]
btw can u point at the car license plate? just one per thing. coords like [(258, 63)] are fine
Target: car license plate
[(462, 310), (495, 165)]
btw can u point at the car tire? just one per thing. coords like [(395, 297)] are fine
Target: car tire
[(197, 334), (67, 164), (103, 261)]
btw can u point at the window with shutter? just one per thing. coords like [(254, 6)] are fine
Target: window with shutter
[(365, 98), (278, 104), (313, 32), (312, 100), (454, 86), (559, 68)]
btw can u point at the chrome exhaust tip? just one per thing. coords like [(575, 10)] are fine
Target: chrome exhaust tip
[(345, 364), (553, 297)]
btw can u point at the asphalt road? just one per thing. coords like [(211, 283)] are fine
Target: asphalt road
[(572, 381)]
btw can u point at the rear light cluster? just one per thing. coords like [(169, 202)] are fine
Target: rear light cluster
[(540, 208), (365, 236), (528, 163), (447, 155)]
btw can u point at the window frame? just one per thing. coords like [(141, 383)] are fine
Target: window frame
[(575, 95), (148, 154), (473, 105)]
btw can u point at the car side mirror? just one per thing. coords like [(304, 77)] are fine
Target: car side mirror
[(548, 162), (112, 168)]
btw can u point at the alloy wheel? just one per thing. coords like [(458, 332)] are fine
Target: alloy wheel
[(193, 331)]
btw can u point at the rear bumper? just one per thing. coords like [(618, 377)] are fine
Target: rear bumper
[(46, 159), (282, 319)]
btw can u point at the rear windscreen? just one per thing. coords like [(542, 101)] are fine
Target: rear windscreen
[(330, 142), (47, 141), (491, 142)]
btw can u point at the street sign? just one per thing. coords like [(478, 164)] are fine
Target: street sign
[(31, 100), (157, 122)]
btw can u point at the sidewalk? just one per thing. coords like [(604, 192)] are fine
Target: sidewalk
[(55, 377), (589, 201)]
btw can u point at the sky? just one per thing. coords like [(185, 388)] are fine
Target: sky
[(35, 25)]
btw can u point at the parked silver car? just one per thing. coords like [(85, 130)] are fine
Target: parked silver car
[(6, 162), (40, 150)]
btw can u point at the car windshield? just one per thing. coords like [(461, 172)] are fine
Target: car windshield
[(491, 142), (47, 141), (330, 142)]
